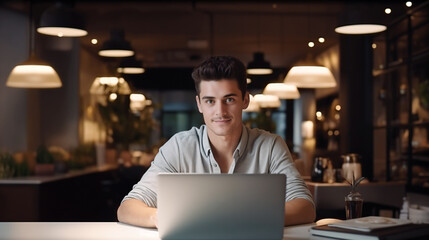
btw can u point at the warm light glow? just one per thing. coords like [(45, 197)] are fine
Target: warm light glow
[(321, 40), (307, 129), (94, 41), (282, 90), (137, 97), (259, 71), (310, 77), (62, 31), (137, 102), (374, 46), (360, 29), (319, 115), (311, 44), (337, 116), (33, 76), (267, 101), (409, 4), (248, 80), (337, 107), (110, 81), (33, 69), (113, 97), (388, 11), (130, 70), (116, 53)]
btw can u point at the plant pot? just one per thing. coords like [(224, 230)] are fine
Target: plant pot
[(44, 169)]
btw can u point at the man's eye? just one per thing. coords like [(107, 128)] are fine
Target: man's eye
[(209, 101), (230, 100)]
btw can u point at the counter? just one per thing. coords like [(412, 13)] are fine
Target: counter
[(90, 194)]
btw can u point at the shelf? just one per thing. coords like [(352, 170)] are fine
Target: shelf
[(403, 135)]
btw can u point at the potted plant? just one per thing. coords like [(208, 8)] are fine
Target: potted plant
[(7, 166), (44, 162), (61, 158)]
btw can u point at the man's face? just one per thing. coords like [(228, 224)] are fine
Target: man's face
[(221, 104)]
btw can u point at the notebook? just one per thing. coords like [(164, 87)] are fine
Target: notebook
[(221, 206)]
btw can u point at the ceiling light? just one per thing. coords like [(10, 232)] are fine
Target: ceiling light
[(62, 21), (116, 46), (361, 29), (388, 11), (34, 72), (310, 77), (282, 90), (409, 4), (131, 65), (94, 41), (267, 101), (103, 85), (360, 18), (259, 66), (321, 40), (311, 44)]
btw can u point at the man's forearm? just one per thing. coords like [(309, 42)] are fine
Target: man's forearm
[(299, 211), (137, 213)]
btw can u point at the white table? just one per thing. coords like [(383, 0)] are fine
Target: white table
[(101, 230)]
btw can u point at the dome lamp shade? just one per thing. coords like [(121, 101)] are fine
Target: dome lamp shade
[(62, 21), (259, 66), (116, 46)]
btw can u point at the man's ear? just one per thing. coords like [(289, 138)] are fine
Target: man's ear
[(246, 100), (197, 99)]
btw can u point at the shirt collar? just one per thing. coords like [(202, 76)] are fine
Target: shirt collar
[(240, 147)]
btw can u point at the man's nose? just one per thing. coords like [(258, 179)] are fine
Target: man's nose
[(220, 109)]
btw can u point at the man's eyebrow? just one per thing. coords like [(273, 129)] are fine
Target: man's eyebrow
[(230, 95), (226, 96), (207, 97)]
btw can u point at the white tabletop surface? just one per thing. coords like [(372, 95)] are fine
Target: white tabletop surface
[(101, 230)]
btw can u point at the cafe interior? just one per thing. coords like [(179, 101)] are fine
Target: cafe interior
[(344, 83)]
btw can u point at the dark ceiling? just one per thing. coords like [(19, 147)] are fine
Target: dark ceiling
[(178, 34)]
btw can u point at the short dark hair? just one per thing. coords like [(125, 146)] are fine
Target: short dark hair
[(221, 67)]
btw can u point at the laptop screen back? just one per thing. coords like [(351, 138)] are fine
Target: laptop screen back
[(221, 206)]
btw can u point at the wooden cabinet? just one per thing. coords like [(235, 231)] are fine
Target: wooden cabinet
[(401, 101)]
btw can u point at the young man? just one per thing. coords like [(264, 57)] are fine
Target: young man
[(222, 145)]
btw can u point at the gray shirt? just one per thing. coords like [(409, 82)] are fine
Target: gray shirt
[(189, 152)]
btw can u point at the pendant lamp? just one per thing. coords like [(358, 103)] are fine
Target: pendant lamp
[(282, 90), (34, 72), (62, 21), (310, 77), (130, 65), (361, 18), (259, 66), (267, 101), (116, 46)]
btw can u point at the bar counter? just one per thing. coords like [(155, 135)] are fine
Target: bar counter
[(86, 195)]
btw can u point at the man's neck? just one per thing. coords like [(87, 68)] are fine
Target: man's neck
[(223, 148)]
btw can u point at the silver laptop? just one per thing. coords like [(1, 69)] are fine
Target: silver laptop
[(221, 206)]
